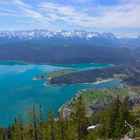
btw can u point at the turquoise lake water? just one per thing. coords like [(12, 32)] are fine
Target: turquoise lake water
[(18, 91)]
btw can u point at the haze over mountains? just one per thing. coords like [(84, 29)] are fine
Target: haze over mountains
[(43, 46)]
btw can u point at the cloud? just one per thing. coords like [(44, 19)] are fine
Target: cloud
[(23, 10), (84, 1), (3, 14), (29, 12), (90, 14), (98, 17), (4, 10)]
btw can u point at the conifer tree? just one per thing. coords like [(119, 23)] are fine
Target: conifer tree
[(51, 135), (110, 118), (40, 123), (123, 116), (62, 127), (21, 128), (32, 114), (17, 133), (80, 118)]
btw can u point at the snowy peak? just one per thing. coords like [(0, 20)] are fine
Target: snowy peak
[(51, 34), (64, 37)]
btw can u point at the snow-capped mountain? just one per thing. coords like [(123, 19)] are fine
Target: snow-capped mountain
[(64, 37), (43, 46), (51, 34)]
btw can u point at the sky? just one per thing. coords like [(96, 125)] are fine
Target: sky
[(121, 17)]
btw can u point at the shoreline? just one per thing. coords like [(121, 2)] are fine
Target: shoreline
[(103, 81), (20, 61), (37, 63), (54, 74), (94, 83), (36, 79)]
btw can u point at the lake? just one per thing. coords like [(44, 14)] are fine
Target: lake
[(18, 91)]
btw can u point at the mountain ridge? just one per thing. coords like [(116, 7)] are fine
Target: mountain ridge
[(64, 33), (68, 47), (65, 37)]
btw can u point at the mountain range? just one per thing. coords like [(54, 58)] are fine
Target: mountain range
[(43, 46), (64, 37)]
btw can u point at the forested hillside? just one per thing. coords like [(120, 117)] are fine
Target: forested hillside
[(113, 122), (128, 74), (68, 54)]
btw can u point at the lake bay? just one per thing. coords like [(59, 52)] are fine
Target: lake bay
[(18, 90)]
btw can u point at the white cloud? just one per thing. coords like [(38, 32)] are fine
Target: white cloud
[(3, 14), (23, 10), (100, 17), (124, 15), (84, 1), (29, 12)]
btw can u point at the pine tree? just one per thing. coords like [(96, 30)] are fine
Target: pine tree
[(62, 127), (40, 123), (17, 133), (51, 135), (32, 114), (80, 118), (110, 118), (123, 115)]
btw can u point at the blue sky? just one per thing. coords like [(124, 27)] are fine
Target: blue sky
[(121, 17)]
